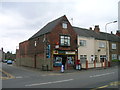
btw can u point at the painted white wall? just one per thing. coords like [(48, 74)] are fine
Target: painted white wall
[(102, 50), (88, 49), (91, 48)]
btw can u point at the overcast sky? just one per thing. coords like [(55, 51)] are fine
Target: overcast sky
[(20, 20)]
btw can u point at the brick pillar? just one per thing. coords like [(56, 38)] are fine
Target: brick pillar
[(86, 64), (94, 63), (108, 63), (101, 63), (105, 63)]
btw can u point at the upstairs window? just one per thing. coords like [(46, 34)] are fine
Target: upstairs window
[(114, 46), (64, 25), (101, 44), (82, 42), (65, 40), (35, 43)]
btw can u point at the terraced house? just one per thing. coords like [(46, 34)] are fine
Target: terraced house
[(59, 43), (97, 46)]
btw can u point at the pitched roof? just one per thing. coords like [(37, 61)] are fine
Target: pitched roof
[(47, 28), (96, 35)]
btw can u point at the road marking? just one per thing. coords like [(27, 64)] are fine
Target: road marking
[(104, 86), (9, 76), (102, 74), (43, 75), (116, 83), (19, 77), (36, 84)]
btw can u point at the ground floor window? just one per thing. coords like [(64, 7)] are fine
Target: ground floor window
[(57, 61), (119, 57), (102, 58), (70, 60), (83, 58), (114, 56), (92, 58)]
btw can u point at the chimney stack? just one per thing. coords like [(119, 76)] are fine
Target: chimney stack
[(2, 49), (118, 33), (90, 28), (97, 29), (111, 32)]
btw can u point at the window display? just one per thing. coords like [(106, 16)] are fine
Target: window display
[(57, 61)]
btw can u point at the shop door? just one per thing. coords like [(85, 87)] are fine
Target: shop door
[(64, 58), (70, 62)]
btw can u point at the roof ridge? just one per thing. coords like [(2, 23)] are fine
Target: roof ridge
[(48, 27)]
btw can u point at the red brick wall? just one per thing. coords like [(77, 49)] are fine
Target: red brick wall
[(28, 49), (54, 36)]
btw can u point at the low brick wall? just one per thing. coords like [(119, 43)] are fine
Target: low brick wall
[(93, 65)]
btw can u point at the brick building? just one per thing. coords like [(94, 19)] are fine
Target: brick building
[(59, 43), (53, 45)]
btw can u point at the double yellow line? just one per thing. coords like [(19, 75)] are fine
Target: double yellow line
[(8, 75), (116, 83)]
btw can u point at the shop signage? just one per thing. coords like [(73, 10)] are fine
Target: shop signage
[(48, 51), (57, 46), (55, 52), (64, 52), (70, 52)]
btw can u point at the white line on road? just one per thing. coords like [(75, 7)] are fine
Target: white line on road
[(102, 74), (49, 82), (19, 77)]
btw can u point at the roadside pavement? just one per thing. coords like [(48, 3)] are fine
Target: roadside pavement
[(65, 71)]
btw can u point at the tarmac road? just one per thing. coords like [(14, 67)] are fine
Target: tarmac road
[(34, 78)]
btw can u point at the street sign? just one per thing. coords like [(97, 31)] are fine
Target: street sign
[(48, 51)]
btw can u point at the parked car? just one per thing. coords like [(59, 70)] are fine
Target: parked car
[(9, 62), (4, 61)]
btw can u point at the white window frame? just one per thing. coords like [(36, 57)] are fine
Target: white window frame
[(82, 42), (114, 56), (65, 40), (83, 58), (64, 25), (101, 44), (114, 46)]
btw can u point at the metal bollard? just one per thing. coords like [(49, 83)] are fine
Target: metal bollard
[(62, 68)]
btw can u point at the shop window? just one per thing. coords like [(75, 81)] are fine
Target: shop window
[(65, 40), (57, 61), (70, 60)]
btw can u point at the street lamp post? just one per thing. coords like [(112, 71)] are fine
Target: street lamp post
[(107, 37)]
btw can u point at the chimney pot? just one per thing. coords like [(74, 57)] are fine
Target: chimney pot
[(118, 33), (90, 28), (97, 29), (111, 32)]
